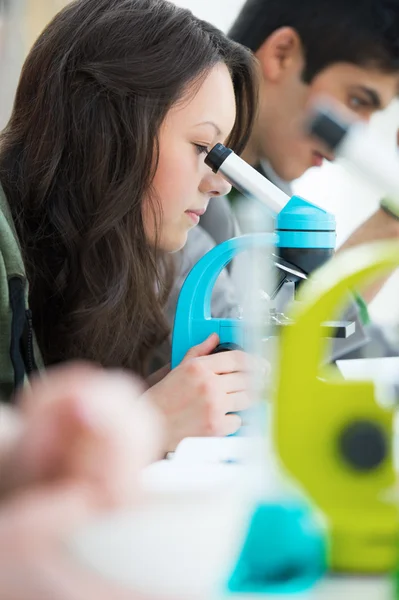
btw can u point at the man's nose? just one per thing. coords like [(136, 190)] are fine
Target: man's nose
[(365, 117)]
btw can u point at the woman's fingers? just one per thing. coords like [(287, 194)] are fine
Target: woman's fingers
[(234, 382), (239, 401), (203, 349), (234, 361), (231, 424), (228, 362)]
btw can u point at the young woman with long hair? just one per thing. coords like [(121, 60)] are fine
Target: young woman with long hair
[(102, 164)]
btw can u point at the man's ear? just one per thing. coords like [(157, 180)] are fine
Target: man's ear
[(281, 53)]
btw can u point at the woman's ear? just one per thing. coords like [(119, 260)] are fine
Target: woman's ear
[(281, 54)]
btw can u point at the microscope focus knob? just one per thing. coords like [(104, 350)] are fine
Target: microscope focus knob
[(363, 445), (226, 347)]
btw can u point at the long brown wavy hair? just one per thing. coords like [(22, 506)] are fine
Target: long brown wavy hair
[(78, 156)]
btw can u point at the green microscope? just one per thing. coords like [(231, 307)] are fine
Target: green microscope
[(335, 437)]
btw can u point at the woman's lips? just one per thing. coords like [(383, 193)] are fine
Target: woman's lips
[(195, 214)]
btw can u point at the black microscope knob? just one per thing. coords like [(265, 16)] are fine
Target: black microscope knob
[(363, 444), (226, 347)]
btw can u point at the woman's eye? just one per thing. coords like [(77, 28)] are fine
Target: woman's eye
[(201, 149)]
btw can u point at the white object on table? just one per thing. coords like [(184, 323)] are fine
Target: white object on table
[(220, 450), (184, 538), (378, 370)]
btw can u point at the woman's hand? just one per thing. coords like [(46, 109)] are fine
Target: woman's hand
[(198, 396)]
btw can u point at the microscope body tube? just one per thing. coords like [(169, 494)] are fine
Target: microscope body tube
[(245, 178)]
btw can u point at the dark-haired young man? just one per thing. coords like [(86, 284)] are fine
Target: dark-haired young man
[(347, 50)]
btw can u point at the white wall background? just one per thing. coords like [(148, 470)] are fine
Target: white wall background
[(219, 12), (350, 199)]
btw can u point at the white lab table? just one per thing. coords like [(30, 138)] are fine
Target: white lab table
[(345, 588)]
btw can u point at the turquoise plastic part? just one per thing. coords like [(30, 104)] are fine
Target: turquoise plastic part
[(306, 239), (302, 224), (303, 215), (285, 551), (193, 319)]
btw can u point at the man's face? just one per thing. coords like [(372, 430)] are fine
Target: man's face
[(284, 105)]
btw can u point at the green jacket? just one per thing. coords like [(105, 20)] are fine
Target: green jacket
[(19, 355)]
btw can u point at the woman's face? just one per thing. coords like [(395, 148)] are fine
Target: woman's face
[(183, 183)]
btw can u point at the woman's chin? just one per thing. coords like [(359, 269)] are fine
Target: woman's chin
[(175, 244)]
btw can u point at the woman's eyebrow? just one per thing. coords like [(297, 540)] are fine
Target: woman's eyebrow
[(210, 123)]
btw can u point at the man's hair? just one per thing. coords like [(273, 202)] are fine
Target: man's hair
[(361, 32)]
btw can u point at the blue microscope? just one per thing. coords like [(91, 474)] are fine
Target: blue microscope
[(285, 550), (304, 239)]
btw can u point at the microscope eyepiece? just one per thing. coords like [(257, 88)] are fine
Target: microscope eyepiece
[(244, 178), (328, 128), (352, 140), (217, 156)]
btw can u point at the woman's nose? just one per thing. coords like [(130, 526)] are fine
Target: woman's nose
[(214, 185)]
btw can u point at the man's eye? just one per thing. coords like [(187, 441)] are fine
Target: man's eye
[(201, 149), (356, 103)]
